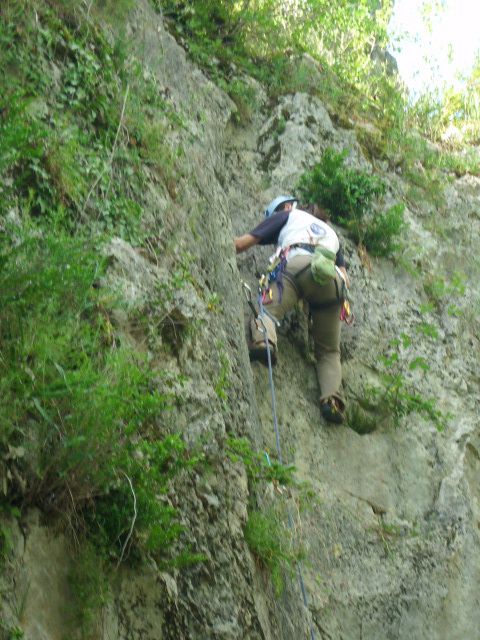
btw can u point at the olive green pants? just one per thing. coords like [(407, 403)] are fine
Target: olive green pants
[(325, 321)]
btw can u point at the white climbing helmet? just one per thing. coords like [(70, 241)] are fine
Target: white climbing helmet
[(276, 202)]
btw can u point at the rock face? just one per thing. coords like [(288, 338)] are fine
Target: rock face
[(392, 538)]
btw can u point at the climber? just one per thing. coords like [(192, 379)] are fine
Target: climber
[(300, 236)]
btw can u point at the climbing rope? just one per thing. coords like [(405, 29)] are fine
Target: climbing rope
[(263, 330)]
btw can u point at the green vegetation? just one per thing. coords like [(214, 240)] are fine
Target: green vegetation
[(61, 369), (381, 234), (441, 290), (271, 543), (347, 193), (390, 533), (350, 197), (457, 113), (269, 538), (78, 121), (395, 396), (361, 420), (10, 632), (265, 40), (90, 590), (7, 513), (83, 127), (335, 57), (82, 432), (259, 466), (5, 542)]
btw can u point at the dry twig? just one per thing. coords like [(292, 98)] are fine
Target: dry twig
[(108, 167), (127, 540)]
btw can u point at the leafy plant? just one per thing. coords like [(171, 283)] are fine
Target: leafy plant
[(389, 533), (180, 276), (132, 516), (259, 467), (270, 542), (244, 97), (5, 542), (339, 59), (262, 39), (395, 397), (349, 195), (60, 370), (73, 145), (383, 232), (427, 329), (346, 193), (440, 288)]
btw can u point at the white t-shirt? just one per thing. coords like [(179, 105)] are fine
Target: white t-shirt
[(303, 228)]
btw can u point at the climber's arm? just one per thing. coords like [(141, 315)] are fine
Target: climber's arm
[(242, 243), (264, 233)]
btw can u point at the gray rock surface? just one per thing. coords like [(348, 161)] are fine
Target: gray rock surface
[(392, 538)]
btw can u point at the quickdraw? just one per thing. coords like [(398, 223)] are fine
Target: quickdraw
[(276, 268), (256, 314), (346, 313)]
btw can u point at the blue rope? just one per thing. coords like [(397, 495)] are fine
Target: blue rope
[(279, 450), (270, 379)]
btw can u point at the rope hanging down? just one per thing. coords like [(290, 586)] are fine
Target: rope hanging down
[(262, 313)]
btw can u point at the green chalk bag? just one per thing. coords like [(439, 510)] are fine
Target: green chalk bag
[(323, 265)]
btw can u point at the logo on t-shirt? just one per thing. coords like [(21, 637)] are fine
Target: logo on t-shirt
[(318, 230)]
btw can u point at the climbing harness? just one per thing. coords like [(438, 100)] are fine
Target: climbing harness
[(277, 270)]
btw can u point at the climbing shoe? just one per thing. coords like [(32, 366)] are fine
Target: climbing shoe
[(332, 410), (258, 353)]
